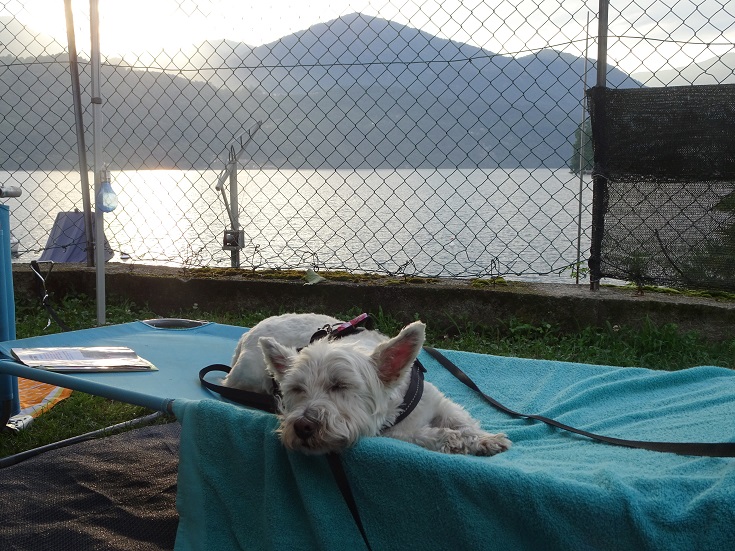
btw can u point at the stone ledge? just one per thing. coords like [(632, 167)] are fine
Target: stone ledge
[(167, 290)]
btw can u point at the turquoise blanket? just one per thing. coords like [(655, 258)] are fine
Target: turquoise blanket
[(239, 489)]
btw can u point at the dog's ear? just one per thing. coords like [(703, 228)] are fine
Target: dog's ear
[(277, 357), (399, 353)]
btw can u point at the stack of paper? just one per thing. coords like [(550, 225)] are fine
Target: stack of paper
[(83, 359)]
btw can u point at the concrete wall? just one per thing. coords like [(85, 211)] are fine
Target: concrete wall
[(168, 290)]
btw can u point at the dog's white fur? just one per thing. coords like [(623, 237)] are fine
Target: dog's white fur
[(334, 392)]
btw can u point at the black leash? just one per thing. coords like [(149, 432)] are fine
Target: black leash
[(340, 477), (706, 449), (45, 296), (263, 402)]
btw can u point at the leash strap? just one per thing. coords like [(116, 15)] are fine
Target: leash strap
[(264, 402), (705, 449), (340, 477)]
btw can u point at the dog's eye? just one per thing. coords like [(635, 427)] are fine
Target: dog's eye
[(338, 386), (297, 389)]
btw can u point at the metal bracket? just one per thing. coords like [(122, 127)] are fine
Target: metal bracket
[(233, 240)]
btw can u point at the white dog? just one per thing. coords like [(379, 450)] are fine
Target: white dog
[(336, 390)]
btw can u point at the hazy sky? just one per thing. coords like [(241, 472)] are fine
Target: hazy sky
[(502, 26), (149, 24)]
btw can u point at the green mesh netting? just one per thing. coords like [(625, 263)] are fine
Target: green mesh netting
[(665, 185)]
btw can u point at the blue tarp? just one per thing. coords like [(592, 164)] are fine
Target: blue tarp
[(67, 241)]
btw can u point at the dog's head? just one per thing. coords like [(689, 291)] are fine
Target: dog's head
[(334, 392)]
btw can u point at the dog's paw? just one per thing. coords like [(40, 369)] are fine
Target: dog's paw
[(490, 444), (474, 443), (471, 442)]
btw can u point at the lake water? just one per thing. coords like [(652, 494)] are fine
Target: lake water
[(435, 222)]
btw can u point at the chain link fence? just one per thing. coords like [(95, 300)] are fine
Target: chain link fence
[(441, 139)]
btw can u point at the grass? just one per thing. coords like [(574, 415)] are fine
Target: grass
[(651, 346)]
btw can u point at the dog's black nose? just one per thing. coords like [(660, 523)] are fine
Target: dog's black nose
[(304, 428)]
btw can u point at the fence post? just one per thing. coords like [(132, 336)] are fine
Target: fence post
[(99, 220), (582, 145), (599, 182), (79, 124)]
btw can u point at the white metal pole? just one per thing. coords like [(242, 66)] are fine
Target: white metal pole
[(235, 215), (99, 221), (602, 44), (582, 145)]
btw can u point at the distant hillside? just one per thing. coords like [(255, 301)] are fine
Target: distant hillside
[(151, 119), (358, 92)]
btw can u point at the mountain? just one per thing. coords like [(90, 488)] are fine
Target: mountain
[(367, 51), (364, 50), (357, 92), (716, 70), (398, 96)]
